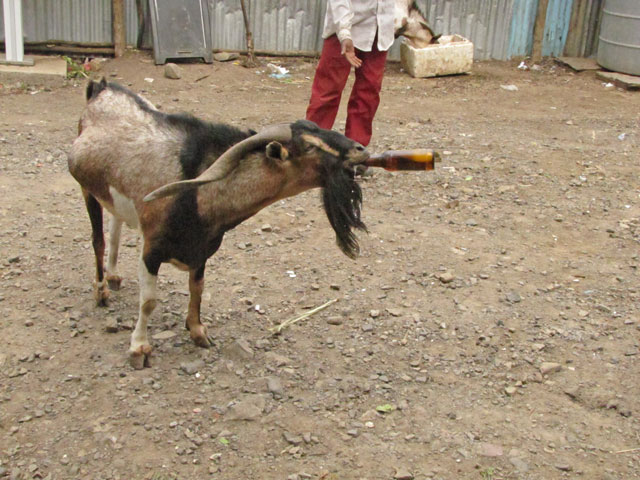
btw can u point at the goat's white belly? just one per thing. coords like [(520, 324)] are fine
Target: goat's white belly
[(124, 208)]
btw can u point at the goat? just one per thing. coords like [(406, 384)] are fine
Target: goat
[(205, 179), (411, 23)]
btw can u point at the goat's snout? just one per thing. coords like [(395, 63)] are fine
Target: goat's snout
[(357, 155)]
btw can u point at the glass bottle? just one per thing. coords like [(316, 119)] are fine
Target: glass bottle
[(394, 160)]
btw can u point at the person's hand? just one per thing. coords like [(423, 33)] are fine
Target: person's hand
[(349, 53)]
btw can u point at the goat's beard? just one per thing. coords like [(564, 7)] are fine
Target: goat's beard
[(342, 199)]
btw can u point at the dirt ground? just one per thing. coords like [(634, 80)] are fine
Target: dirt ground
[(489, 330)]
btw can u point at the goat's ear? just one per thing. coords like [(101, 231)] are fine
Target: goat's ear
[(276, 152), (403, 28), (426, 26)]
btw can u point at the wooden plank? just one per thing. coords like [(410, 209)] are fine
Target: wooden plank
[(579, 64), (64, 49), (622, 80)]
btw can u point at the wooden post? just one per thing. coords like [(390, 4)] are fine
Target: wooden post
[(141, 22), (251, 56), (574, 46), (119, 35), (538, 30)]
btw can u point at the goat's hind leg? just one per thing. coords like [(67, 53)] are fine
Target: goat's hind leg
[(94, 209), (113, 279), (197, 330)]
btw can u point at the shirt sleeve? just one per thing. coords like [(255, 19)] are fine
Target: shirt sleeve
[(342, 15)]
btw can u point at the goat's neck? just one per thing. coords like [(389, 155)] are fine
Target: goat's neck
[(243, 194)]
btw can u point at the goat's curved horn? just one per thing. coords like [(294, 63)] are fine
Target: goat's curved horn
[(225, 164)]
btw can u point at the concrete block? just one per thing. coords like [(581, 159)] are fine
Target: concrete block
[(452, 54)]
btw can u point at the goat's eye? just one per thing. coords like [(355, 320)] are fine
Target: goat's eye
[(309, 147)]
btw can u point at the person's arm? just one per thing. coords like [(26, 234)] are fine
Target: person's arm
[(342, 14)]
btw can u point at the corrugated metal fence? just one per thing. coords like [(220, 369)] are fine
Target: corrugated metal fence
[(71, 20), (283, 26), (582, 40), (522, 22), (80, 21), (556, 27), (485, 22), (499, 29)]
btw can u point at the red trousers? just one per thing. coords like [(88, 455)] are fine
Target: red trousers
[(331, 77)]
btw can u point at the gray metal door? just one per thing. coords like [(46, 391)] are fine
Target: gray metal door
[(181, 29)]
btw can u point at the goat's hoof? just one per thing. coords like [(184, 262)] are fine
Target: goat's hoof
[(114, 282), (102, 296), (203, 342), (140, 357), (200, 337), (102, 301)]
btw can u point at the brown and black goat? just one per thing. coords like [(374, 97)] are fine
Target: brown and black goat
[(411, 23), (183, 183)]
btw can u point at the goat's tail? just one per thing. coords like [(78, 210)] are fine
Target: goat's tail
[(94, 88)]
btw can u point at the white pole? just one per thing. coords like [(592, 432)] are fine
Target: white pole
[(13, 31)]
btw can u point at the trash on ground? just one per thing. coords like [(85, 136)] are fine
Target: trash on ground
[(277, 71)]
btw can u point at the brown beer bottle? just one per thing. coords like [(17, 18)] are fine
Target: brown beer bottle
[(394, 160)]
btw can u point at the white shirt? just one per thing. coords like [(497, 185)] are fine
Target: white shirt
[(359, 20)]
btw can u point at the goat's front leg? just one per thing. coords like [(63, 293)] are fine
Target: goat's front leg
[(140, 349), (113, 279), (197, 330)]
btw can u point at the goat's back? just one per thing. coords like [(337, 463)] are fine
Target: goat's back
[(124, 143)]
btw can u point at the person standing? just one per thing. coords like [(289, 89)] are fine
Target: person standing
[(357, 33)]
